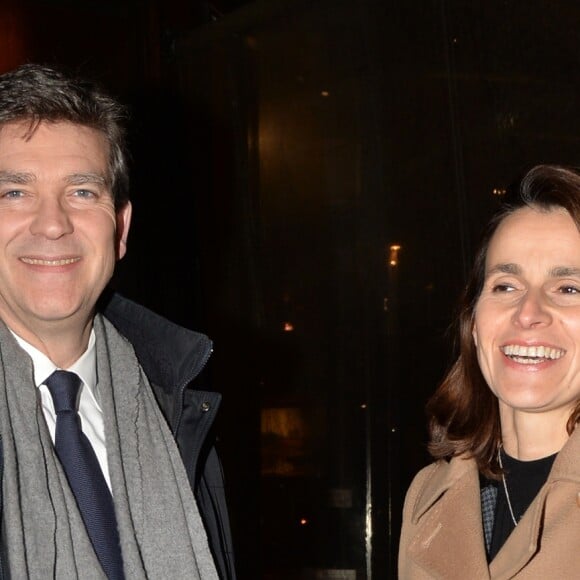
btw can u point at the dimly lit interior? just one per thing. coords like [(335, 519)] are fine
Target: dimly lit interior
[(309, 180)]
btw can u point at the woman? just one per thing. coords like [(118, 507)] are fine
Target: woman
[(502, 499)]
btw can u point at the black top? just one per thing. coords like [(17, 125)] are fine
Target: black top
[(523, 480)]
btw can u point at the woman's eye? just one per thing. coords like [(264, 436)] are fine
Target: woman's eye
[(569, 289), (502, 288)]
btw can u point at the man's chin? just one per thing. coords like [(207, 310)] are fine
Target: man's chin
[(54, 313)]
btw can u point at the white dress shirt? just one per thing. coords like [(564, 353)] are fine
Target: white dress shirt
[(89, 409)]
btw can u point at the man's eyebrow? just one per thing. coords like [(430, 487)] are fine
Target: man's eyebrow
[(81, 178), (504, 269), (16, 177), (22, 178)]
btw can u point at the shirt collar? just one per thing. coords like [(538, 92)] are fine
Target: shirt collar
[(85, 366)]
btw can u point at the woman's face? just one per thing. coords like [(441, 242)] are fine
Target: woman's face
[(527, 318)]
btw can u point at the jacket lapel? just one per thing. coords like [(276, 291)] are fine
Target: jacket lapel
[(524, 541), (449, 540), (446, 517)]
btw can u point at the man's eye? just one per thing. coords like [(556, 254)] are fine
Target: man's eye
[(84, 193), (12, 194)]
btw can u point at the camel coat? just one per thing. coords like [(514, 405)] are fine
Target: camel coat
[(442, 532)]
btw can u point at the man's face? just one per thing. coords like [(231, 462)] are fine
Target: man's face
[(59, 233)]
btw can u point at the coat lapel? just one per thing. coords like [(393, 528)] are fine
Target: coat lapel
[(524, 541), (449, 539), (446, 532)]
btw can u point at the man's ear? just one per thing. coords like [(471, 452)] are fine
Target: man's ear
[(123, 224)]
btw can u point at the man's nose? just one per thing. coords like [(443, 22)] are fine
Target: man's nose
[(51, 219)]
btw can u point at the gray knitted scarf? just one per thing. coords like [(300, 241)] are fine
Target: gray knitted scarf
[(162, 535)]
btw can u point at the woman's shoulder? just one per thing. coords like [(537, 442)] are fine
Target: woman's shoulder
[(435, 470), (422, 478), (434, 479), (425, 474)]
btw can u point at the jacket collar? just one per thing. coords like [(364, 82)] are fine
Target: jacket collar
[(566, 465), (170, 354), (524, 541), (449, 534), (444, 476)]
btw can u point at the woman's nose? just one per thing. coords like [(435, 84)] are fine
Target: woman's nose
[(532, 310)]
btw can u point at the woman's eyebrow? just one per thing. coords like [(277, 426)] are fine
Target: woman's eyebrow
[(504, 269), (555, 272), (563, 271)]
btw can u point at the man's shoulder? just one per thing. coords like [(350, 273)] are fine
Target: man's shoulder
[(166, 350), (140, 325), (126, 314)]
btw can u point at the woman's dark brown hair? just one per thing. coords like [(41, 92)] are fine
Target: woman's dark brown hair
[(463, 412)]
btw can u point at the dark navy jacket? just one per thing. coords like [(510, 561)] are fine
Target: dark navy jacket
[(173, 359)]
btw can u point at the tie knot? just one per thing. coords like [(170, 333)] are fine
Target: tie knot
[(64, 389)]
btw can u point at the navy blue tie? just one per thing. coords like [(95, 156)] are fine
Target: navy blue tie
[(84, 473)]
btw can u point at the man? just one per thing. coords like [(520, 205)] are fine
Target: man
[(107, 469)]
